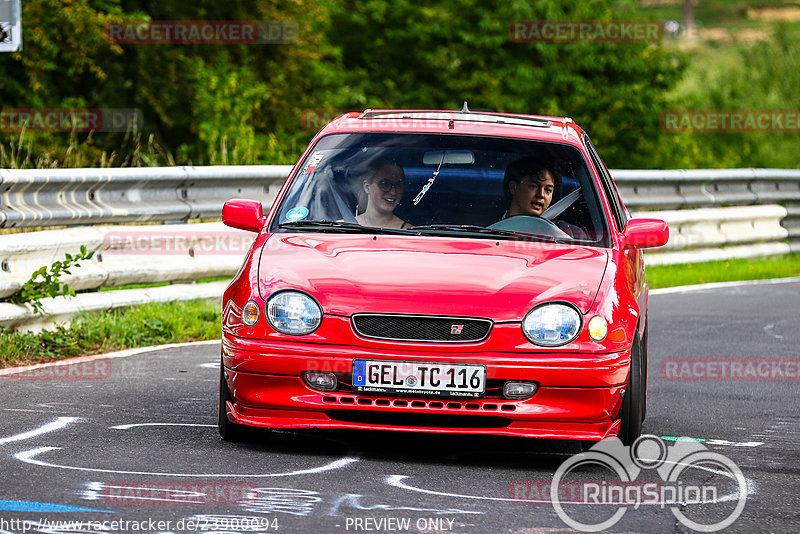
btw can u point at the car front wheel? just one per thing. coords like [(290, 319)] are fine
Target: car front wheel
[(632, 410), (228, 430)]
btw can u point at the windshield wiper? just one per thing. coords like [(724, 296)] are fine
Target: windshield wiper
[(489, 232), (333, 226)]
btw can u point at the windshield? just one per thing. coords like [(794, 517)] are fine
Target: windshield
[(434, 184)]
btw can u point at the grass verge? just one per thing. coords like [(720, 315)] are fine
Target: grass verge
[(723, 271), (106, 331), (154, 324)]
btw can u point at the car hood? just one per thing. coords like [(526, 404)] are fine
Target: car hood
[(499, 280)]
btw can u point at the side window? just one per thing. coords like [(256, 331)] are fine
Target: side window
[(617, 208)]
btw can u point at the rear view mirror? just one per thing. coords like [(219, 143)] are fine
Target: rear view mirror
[(453, 157), (243, 214), (646, 233)]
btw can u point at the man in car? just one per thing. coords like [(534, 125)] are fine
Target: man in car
[(529, 185)]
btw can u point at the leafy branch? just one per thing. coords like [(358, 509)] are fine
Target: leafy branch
[(46, 282)]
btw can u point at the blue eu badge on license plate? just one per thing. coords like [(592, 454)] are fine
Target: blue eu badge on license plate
[(359, 372)]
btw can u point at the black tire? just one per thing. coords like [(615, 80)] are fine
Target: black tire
[(227, 430), (632, 404), (644, 371)]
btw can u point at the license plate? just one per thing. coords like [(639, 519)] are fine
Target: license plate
[(419, 378)]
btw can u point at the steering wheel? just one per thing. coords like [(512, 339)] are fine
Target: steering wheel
[(529, 223)]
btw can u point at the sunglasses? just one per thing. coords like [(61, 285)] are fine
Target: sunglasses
[(387, 186)]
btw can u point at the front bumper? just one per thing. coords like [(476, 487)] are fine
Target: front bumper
[(578, 397)]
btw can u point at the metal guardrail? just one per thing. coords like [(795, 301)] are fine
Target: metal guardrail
[(125, 254), (707, 234), (177, 254), (669, 189), (55, 197), (700, 188), (762, 217)]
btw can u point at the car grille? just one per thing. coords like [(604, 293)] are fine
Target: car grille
[(421, 328), (419, 420), (414, 404), (494, 388)]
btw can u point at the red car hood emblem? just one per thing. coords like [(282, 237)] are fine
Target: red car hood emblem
[(499, 280)]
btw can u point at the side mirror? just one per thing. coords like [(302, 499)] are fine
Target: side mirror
[(243, 214), (645, 233)]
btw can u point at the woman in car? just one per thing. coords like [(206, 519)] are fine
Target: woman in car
[(383, 190)]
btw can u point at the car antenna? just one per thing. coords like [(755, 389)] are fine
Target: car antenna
[(465, 109)]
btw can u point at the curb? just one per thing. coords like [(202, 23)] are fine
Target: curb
[(108, 355)]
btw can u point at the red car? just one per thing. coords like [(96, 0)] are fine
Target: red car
[(438, 271)]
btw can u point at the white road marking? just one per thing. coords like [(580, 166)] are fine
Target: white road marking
[(127, 427), (721, 285), (353, 500), (752, 487), (58, 424), (29, 455), (24, 410), (397, 482), (98, 490), (715, 441), (769, 330), (732, 443)]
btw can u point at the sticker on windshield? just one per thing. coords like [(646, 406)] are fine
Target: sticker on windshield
[(295, 214), (313, 161)]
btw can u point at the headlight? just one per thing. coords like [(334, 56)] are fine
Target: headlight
[(294, 313), (552, 324)]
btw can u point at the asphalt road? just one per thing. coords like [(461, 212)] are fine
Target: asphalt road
[(130, 445)]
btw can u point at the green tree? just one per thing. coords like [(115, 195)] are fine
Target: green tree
[(207, 103), (760, 76), (406, 54)]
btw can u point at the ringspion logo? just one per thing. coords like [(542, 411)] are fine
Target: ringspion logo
[(698, 500)]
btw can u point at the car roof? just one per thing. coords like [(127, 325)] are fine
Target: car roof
[(540, 127)]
